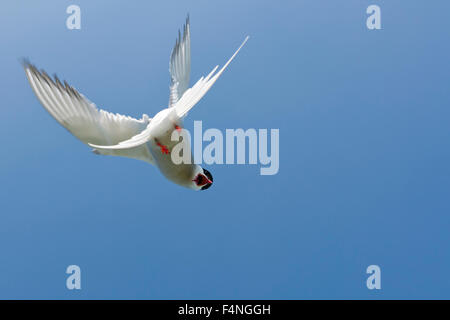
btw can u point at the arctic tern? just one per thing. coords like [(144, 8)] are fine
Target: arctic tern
[(147, 139)]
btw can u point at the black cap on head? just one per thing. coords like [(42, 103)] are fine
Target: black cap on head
[(209, 175)]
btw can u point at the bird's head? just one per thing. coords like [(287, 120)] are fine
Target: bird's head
[(202, 179)]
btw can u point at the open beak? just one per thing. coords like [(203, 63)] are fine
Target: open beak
[(202, 180)]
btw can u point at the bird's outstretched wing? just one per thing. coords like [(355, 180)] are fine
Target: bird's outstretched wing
[(194, 94), (180, 65), (82, 118), (182, 106)]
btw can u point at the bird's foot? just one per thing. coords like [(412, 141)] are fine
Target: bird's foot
[(164, 149)]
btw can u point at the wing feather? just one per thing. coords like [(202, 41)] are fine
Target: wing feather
[(180, 65), (82, 118), (194, 94)]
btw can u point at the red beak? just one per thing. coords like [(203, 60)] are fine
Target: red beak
[(201, 180), (208, 181)]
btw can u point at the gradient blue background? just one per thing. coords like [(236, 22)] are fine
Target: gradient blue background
[(364, 153)]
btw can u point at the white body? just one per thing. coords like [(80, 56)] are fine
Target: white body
[(160, 130)]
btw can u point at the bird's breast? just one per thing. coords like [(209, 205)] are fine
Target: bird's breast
[(161, 147)]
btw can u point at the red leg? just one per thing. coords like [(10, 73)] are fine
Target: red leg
[(164, 149)]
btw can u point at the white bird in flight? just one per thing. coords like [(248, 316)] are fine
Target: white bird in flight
[(147, 139)]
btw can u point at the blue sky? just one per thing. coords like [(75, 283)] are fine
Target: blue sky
[(364, 157)]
